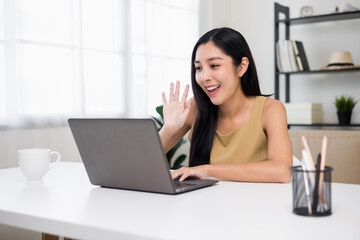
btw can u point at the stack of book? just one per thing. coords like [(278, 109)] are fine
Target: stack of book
[(290, 56)]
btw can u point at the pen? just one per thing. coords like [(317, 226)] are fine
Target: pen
[(307, 191), (316, 189)]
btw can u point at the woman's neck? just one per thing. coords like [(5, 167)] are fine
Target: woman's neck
[(235, 106)]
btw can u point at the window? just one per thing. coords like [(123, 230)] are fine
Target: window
[(171, 30), (2, 64), (63, 58)]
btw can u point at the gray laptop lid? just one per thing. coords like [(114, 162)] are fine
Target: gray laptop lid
[(123, 153)]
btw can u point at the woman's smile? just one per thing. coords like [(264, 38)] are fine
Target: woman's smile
[(213, 89)]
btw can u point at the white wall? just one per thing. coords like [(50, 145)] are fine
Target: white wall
[(58, 139), (255, 20)]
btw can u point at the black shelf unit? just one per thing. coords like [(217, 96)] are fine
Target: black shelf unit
[(322, 18), (321, 71), (280, 9), (324, 125)]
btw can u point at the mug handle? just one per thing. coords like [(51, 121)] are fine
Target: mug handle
[(57, 160)]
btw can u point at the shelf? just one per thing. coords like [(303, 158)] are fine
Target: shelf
[(322, 71), (283, 11), (322, 18), (324, 125)]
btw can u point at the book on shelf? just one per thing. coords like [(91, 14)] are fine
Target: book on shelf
[(279, 64), (290, 56), (283, 59), (300, 55)]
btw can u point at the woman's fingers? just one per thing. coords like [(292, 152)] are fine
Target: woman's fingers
[(175, 111), (176, 173), (184, 173), (184, 176), (175, 93), (164, 98), (171, 95), (185, 94)]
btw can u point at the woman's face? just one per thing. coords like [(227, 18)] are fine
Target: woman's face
[(216, 74)]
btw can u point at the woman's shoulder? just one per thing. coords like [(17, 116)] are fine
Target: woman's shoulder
[(274, 111), (273, 105)]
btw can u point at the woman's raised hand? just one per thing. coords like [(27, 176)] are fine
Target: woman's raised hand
[(175, 111)]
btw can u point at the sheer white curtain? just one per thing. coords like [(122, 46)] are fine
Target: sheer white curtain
[(63, 58), (170, 30)]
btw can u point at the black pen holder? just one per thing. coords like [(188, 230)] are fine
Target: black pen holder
[(311, 191)]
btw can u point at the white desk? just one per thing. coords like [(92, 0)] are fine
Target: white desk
[(68, 205)]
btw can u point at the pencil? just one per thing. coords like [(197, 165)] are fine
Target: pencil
[(323, 153), (322, 168), (307, 149)]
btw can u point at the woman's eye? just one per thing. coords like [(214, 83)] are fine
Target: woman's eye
[(197, 68), (214, 65)]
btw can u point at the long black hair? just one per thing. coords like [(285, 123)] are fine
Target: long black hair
[(233, 44)]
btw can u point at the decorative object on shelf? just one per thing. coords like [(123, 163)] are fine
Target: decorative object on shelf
[(344, 7), (344, 105), (334, 9), (340, 60), (306, 11), (304, 113), (170, 154)]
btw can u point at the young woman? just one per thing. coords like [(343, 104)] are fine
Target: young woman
[(236, 133)]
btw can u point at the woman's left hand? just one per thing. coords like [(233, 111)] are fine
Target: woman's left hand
[(185, 172)]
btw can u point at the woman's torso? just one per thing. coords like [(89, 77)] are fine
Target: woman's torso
[(243, 144)]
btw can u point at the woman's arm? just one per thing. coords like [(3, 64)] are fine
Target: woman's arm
[(178, 116), (275, 169)]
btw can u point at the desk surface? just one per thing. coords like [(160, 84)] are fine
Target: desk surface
[(68, 205)]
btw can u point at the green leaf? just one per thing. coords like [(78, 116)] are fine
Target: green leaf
[(345, 103), (179, 160), (159, 110), (172, 151), (170, 154)]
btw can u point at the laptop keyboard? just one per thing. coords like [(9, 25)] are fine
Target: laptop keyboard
[(183, 185)]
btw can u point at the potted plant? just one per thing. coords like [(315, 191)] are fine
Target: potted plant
[(344, 105), (169, 155)]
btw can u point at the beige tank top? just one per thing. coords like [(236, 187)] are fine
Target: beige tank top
[(243, 144)]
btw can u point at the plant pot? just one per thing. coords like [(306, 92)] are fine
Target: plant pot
[(344, 117)]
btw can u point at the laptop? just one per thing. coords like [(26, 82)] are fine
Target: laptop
[(127, 154)]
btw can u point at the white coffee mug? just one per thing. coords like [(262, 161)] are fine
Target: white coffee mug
[(34, 163)]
